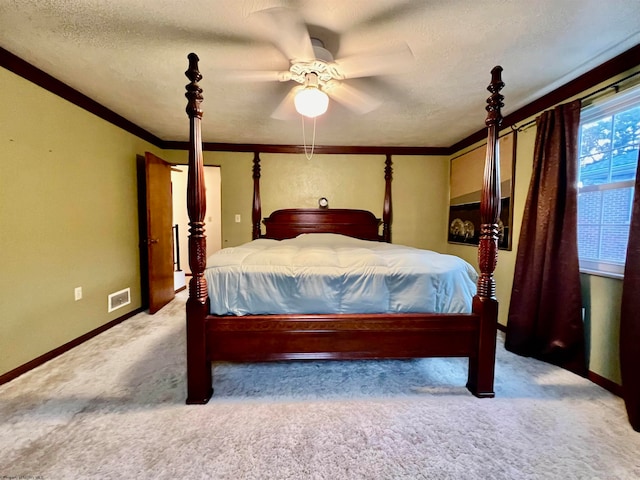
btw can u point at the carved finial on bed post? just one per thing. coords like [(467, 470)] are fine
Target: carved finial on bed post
[(485, 304), (196, 201), (256, 213), (387, 207), (490, 199), (199, 379)]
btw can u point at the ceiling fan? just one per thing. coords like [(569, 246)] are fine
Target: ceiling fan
[(319, 77)]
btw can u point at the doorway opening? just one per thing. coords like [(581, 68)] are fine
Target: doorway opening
[(164, 227), (213, 218)]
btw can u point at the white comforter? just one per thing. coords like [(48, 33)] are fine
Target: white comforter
[(330, 273)]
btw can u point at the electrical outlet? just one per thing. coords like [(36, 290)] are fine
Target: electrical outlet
[(77, 293), (237, 218)]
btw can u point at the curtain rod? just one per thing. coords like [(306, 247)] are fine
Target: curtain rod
[(613, 85)]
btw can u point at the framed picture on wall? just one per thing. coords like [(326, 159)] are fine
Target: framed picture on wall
[(464, 193)]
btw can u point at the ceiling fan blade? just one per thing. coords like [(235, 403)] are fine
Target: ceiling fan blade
[(391, 61), (288, 33), (286, 110), (390, 14), (256, 75), (352, 98)]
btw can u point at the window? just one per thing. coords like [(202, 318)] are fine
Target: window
[(608, 157)]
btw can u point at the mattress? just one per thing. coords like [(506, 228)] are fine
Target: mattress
[(330, 273)]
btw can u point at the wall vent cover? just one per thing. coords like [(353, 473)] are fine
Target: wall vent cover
[(119, 299)]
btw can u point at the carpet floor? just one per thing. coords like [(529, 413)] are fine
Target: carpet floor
[(114, 408)]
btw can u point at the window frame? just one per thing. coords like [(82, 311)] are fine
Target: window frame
[(609, 106)]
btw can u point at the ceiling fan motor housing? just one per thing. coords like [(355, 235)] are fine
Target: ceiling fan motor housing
[(322, 66), (320, 52)]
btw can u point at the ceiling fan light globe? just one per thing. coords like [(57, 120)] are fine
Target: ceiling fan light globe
[(311, 102)]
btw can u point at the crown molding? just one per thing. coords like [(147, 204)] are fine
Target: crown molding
[(33, 74), (617, 65), (318, 149)]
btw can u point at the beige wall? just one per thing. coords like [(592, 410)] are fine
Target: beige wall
[(68, 218), (420, 190), (601, 299), (236, 186), (506, 258), (601, 296), (213, 224)]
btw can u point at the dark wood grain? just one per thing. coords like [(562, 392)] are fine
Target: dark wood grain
[(290, 223), (256, 211), (331, 337), (257, 338), (387, 204), (318, 149), (198, 363), (485, 304)]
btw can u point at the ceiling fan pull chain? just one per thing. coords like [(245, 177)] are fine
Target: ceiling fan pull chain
[(304, 138)]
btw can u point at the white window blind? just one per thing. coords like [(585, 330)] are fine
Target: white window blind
[(608, 158)]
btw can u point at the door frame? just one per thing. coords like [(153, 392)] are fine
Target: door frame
[(155, 293)]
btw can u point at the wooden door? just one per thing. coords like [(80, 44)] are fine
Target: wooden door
[(159, 233)]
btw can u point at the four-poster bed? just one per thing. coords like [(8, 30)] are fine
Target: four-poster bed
[(274, 336)]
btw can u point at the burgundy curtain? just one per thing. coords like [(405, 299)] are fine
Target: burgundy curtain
[(545, 313), (630, 316)]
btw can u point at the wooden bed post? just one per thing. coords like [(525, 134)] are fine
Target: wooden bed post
[(256, 213), (482, 366), (354, 336), (387, 207), (198, 365)]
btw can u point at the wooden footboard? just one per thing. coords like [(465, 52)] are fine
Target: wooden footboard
[(354, 336), (341, 337)]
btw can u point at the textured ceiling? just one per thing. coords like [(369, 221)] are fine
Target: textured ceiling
[(130, 56)]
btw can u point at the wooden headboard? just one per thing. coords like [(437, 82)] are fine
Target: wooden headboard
[(292, 222)]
